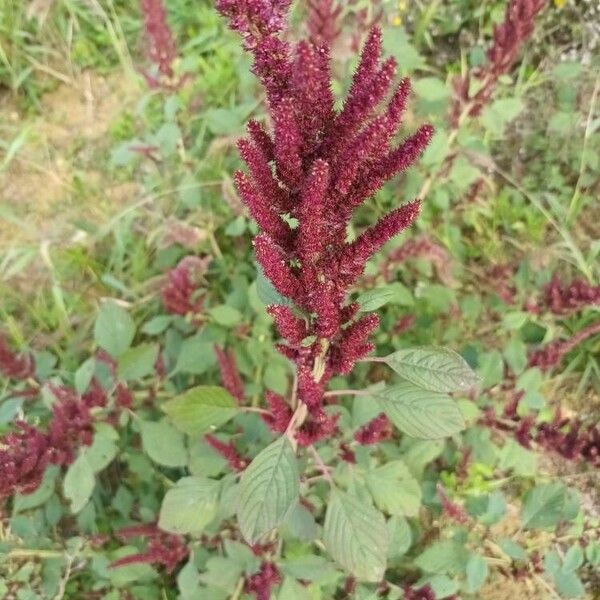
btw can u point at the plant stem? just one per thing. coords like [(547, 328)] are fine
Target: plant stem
[(321, 464)]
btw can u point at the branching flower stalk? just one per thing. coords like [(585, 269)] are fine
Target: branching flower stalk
[(305, 180), (474, 89)]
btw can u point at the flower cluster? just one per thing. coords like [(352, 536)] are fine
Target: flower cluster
[(26, 452), (451, 509), (420, 247), (228, 452), (571, 438), (181, 294), (261, 583), (562, 299), (323, 21), (230, 376), (375, 431), (509, 36), (423, 593), (161, 49), (13, 365), (550, 356), (163, 548), (304, 183)]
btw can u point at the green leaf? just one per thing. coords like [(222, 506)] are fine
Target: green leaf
[(114, 329), (514, 550), (224, 315), (374, 299), (400, 536), (356, 536), (443, 557), (103, 449), (477, 572), (433, 368), (431, 89), (84, 374), (190, 506), (394, 489), (195, 356), (79, 483), (201, 409), (137, 362), (569, 585), (269, 489), (546, 505), (163, 444), (420, 413)]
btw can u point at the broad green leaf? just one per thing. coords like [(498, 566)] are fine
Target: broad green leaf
[(420, 413), (225, 315), (477, 572), (400, 536), (443, 557), (394, 489), (291, 590), (269, 489), (103, 449), (514, 550), (190, 506), (163, 443), (84, 374), (431, 89), (569, 585), (195, 356), (374, 299), (114, 329), (356, 536), (432, 368), (546, 505), (79, 482), (201, 409), (137, 362)]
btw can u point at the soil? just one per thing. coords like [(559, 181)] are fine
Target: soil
[(54, 178)]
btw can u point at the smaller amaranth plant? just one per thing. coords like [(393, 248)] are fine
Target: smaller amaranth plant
[(160, 47), (474, 89)]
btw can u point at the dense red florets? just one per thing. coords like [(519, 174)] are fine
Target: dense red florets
[(304, 183)]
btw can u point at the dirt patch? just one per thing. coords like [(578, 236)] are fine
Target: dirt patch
[(53, 178)]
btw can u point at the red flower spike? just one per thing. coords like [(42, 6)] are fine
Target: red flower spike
[(261, 211), (230, 376), (323, 21), (275, 266), (509, 37), (318, 167), (290, 327), (228, 452), (281, 413), (374, 431), (260, 584), (563, 299), (161, 50)]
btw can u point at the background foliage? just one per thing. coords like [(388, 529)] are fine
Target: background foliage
[(111, 177)]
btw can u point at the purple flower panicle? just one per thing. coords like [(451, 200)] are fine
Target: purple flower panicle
[(317, 167), (509, 37)]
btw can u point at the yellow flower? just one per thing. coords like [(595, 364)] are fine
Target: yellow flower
[(397, 21), (559, 3)]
